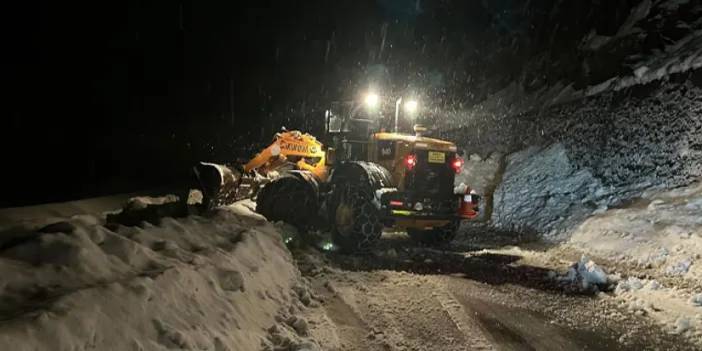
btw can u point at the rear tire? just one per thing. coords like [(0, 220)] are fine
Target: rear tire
[(356, 221), (288, 199), (436, 236)]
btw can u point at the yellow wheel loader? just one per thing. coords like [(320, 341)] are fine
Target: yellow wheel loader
[(365, 182)]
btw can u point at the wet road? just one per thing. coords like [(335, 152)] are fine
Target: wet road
[(407, 298)]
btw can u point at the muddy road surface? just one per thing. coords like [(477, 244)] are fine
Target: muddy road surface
[(404, 297)]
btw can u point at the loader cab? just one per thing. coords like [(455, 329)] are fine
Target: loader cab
[(348, 131)]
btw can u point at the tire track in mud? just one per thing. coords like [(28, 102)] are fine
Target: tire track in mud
[(351, 329), (511, 328), (461, 318), (398, 311), (403, 305), (423, 299)]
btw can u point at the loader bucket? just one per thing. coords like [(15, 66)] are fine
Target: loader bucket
[(219, 184)]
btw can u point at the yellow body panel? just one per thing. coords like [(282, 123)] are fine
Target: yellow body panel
[(307, 152), (292, 144), (419, 142), (404, 144)]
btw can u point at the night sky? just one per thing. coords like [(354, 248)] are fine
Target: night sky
[(112, 96)]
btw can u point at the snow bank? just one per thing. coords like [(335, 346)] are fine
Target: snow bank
[(668, 305), (36, 216), (597, 154), (661, 235), (662, 232), (193, 283)]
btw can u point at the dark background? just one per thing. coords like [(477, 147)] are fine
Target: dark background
[(116, 96)]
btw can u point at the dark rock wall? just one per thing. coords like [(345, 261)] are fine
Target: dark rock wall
[(595, 153)]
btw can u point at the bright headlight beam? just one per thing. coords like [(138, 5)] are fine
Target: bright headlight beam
[(372, 100), (411, 106)]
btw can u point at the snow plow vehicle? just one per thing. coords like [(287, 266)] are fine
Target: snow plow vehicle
[(365, 182)]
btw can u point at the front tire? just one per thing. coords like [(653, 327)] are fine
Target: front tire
[(356, 220), (288, 199), (436, 236)]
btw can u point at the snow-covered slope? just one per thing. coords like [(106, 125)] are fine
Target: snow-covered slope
[(191, 283), (651, 42), (566, 162), (661, 231), (657, 242)]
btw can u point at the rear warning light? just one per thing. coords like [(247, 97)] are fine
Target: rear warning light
[(410, 161), (396, 203), (457, 164)]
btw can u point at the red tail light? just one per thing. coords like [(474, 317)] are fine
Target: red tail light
[(457, 164), (410, 161)]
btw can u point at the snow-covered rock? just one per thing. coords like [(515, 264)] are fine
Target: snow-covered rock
[(586, 274), (542, 190), (586, 157), (696, 300), (680, 267), (630, 284), (682, 325)]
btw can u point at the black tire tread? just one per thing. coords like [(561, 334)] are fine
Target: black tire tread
[(287, 199), (367, 227)]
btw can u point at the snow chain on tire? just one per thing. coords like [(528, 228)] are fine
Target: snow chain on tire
[(365, 229), (287, 199)]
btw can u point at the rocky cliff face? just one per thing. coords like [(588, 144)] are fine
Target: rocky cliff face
[(590, 125), (596, 153), (581, 50), (543, 190)]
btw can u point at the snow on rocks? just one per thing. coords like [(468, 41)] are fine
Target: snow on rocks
[(682, 325), (680, 267), (590, 156), (630, 284), (659, 236), (661, 232), (543, 190), (666, 305), (190, 283), (586, 275), (696, 300)]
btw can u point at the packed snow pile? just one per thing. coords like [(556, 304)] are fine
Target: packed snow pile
[(661, 232), (193, 283), (678, 312), (659, 235), (40, 215)]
